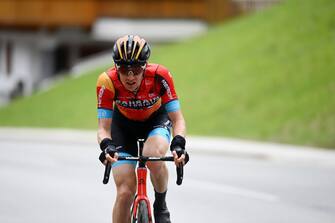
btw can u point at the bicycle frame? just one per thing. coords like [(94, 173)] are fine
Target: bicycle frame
[(142, 177), (142, 192)]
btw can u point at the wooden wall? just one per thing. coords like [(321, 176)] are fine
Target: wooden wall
[(47, 12), (53, 13)]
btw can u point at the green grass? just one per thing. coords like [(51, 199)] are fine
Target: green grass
[(69, 104), (269, 76)]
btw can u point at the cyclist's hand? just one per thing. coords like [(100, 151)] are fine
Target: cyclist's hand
[(109, 151), (108, 155), (177, 147), (179, 161)]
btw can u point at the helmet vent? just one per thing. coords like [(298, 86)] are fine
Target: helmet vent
[(130, 49)]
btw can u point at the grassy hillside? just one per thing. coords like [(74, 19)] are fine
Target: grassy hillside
[(69, 104), (268, 76)]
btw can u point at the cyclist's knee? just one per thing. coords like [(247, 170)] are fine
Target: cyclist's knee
[(156, 167), (155, 147), (126, 193)]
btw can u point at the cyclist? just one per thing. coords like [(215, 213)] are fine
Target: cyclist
[(137, 99)]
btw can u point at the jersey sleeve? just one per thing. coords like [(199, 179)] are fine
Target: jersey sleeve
[(168, 92), (105, 93)]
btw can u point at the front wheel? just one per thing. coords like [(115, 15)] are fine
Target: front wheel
[(142, 215)]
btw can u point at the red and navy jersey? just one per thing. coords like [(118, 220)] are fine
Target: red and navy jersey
[(156, 90)]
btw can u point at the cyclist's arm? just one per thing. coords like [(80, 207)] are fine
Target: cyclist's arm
[(178, 123), (104, 128), (179, 129), (105, 96), (104, 131), (171, 102)]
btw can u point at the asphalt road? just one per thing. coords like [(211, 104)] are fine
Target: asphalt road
[(61, 181)]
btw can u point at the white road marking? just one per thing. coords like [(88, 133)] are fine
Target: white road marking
[(227, 189)]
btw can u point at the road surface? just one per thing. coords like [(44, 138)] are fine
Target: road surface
[(43, 179)]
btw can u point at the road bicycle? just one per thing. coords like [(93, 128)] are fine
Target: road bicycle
[(141, 209)]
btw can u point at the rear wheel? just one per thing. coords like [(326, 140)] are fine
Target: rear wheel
[(142, 215)]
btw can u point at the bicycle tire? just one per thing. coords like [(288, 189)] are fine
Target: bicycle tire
[(142, 215)]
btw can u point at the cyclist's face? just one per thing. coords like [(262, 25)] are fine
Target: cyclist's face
[(131, 76)]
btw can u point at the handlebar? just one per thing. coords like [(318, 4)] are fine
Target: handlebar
[(180, 170), (146, 158)]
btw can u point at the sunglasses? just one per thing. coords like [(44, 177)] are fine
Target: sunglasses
[(126, 70)]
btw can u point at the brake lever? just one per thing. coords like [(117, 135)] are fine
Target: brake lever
[(180, 169)]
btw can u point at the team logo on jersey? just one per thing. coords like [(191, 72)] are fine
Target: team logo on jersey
[(167, 87), (138, 104)]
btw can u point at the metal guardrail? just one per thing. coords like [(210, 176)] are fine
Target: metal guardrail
[(255, 5)]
